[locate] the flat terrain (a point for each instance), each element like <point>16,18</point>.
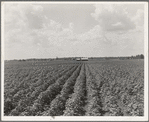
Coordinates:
<point>74,88</point>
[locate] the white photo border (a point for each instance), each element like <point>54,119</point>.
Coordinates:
<point>78,118</point>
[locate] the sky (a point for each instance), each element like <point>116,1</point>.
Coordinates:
<point>39,30</point>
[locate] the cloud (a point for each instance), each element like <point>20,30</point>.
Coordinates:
<point>26,13</point>
<point>117,17</point>
<point>93,33</point>
<point>25,24</point>
<point>139,18</point>
<point>71,25</point>
<point>37,8</point>
<point>19,22</point>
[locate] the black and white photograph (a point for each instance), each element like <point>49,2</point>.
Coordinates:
<point>64,61</point>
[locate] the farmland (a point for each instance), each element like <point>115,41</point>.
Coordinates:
<point>74,88</point>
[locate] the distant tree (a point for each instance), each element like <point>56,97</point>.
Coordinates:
<point>142,56</point>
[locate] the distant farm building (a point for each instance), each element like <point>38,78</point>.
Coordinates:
<point>82,59</point>
<point>78,59</point>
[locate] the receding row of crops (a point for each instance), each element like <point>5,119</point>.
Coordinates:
<point>27,89</point>
<point>94,105</point>
<point>110,88</point>
<point>58,104</point>
<point>75,104</point>
<point>122,87</point>
<point>37,93</point>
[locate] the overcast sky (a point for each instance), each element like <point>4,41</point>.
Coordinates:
<point>33,30</point>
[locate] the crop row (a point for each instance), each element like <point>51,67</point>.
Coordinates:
<point>57,105</point>
<point>122,88</point>
<point>27,82</point>
<point>32,91</point>
<point>94,104</point>
<point>108,88</point>
<point>75,104</point>
<point>47,93</point>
